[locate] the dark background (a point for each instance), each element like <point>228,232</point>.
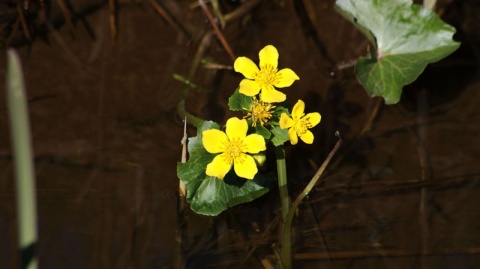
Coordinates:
<point>401,192</point>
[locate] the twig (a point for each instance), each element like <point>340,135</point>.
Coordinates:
<point>217,31</point>
<point>217,66</point>
<point>370,189</point>
<point>160,10</point>
<point>23,22</point>
<point>181,205</point>
<point>112,19</point>
<point>421,136</point>
<point>386,253</point>
<point>14,30</point>
<point>66,15</point>
<point>287,227</point>
<point>242,10</point>
<point>181,110</point>
<point>377,104</point>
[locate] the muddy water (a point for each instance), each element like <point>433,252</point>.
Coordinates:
<point>107,139</point>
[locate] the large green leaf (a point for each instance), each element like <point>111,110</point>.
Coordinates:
<point>406,37</point>
<point>209,195</point>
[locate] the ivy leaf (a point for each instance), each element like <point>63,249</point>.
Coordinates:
<point>406,37</point>
<point>209,195</point>
<point>259,129</point>
<point>280,136</point>
<point>239,102</point>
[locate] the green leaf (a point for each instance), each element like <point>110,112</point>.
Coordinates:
<point>259,129</point>
<point>277,113</point>
<point>239,102</point>
<point>209,195</point>
<point>280,136</point>
<point>406,38</point>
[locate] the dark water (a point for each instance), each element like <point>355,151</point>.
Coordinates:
<point>402,194</point>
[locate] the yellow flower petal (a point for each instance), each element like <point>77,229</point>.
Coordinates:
<point>245,166</point>
<point>298,109</point>
<point>246,66</point>
<point>285,121</point>
<point>268,56</point>
<point>286,77</point>
<point>214,140</point>
<point>218,167</point>
<point>292,134</point>
<point>313,118</point>
<point>270,95</point>
<point>255,143</point>
<point>249,87</point>
<point>307,137</point>
<point>236,128</point>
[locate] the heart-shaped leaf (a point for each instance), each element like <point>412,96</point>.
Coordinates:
<point>209,195</point>
<point>406,38</point>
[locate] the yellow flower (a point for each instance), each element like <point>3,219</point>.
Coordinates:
<point>300,123</point>
<point>259,111</point>
<point>265,78</point>
<point>233,146</point>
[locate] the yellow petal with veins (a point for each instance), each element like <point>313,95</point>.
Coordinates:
<point>286,77</point>
<point>268,56</point>
<point>298,109</point>
<point>218,167</point>
<point>313,118</point>
<point>236,128</point>
<point>245,166</point>
<point>292,134</point>
<point>214,140</point>
<point>255,143</point>
<point>307,137</point>
<point>249,87</point>
<point>246,66</point>
<point>270,95</point>
<point>285,121</point>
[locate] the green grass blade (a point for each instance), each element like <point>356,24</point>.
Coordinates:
<point>24,171</point>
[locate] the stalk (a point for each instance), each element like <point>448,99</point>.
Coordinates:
<point>286,231</point>
<point>23,162</point>
<point>285,236</point>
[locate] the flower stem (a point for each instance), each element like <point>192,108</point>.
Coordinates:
<point>287,211</point>
<point>285,236</point>
<point>287,225</point>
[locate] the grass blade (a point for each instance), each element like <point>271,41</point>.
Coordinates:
<point>24,171</point>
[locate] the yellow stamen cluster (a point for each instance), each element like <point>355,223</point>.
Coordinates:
<point>302,125</point>
<point>259,111</point>
<point>234,150</point>
<point>267,76</point>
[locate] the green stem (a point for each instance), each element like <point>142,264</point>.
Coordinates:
<point>285,236</point>
<point>183,113</point>
<point>287,211</point>
<point>23,161</point>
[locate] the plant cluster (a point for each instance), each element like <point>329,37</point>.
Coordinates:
<point>212,185</point>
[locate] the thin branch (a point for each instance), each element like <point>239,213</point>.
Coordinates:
<point>23,22</point>
<point>217,30</point>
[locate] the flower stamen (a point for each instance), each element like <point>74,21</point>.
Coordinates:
<point>259,111</point>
